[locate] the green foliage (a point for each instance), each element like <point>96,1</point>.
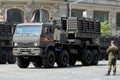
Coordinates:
<point>105,29</point>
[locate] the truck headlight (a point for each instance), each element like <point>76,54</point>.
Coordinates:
<point>36,44</point>
<point>15,44</point>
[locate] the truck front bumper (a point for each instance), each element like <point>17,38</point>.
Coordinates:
<point>28,51</point>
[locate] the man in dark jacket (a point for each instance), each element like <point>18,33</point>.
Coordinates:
<point>112,57</point>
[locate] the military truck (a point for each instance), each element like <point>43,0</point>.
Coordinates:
<point>6,46</point>
<point>64,41</point>
<point>104,43</point>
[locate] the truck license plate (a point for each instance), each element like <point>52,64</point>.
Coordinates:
<point>25,53</point>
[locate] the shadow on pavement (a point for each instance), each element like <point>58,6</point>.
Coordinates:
<point>75,66</point>
<point>102,65</point>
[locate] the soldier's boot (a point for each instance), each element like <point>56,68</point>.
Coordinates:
<point>114,73</point>
<point>108,74</point>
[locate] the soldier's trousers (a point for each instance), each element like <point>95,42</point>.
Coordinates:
<point>112,62</point>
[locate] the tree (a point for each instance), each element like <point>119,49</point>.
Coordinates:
<point>105,28</point>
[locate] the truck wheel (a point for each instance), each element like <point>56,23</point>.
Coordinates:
<point>72,60</point>
<point>95,57</point>
<point>63,59</point>
<point>86,58</point>
<point>3,57</point>
<point>11,58</point>
<point>23,62</point>
<point>49,60</point>
<point>37,62</point>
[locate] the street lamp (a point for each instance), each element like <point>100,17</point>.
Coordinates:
<point>70,6</point>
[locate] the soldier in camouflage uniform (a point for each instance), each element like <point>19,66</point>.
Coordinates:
<point>112,57</point>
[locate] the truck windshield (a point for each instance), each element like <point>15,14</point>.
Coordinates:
<point>28,29</point>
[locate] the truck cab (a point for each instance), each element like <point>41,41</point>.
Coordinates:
<point>30,41</point>
<point>29,38</point>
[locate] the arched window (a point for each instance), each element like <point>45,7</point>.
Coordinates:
<point>45,16</point>
<point>15,16</point>
<point>40,15</point>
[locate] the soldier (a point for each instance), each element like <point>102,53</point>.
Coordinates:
<point>112,57</point>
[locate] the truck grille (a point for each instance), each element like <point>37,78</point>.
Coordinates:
<point>26,44</point>
<point>25,50</point>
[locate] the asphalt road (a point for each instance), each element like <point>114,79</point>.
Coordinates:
<point>78,72</point>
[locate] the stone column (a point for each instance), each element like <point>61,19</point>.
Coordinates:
<point>27,13</point>
<point>112,22</point>
<point>63,10</point>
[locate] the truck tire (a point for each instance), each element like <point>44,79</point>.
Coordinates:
<point>11,58</point>
<point>95,57</point>
<point>37,62</point>
<point>86,58</point>
<point>23,62</point>
<point>72,60</point>
<point>49,60</point>
<point>63,59</point>
<point>3,57</point>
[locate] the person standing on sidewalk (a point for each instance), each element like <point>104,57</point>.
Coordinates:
<point>112,57</point>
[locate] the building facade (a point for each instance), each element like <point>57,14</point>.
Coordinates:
<point>24,10</point>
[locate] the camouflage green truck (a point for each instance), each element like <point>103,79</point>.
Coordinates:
<point>104,42</point>
<point>63,41</point>
<point>6,46</point>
